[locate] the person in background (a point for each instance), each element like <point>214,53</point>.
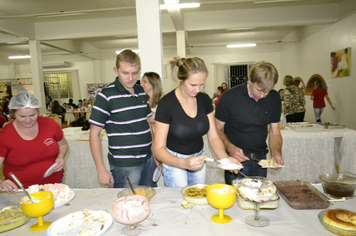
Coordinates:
<point>30,145</point>
<point>281,93</point>
<point>242,124</point>
<point>224,86</point>
<point>3,120</point>
<point>90,103</point>
<point>80,103</point>
<point>5,106</point>
<point>183,117</point>
<point>71,104</point>
<point>85,103</point>
<point>317,96</point>
<point>122,109</point>
<point>48,100</point>
<point>152,84</point>
<point>58,109</point>
<point>294,101</point>
<point>219,92</point>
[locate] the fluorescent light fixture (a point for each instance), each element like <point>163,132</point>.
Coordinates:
<point>245,45</point>
<point>135,51</point>
<point>276,1</point>
<point>179,6</point>
<point>62,14</point>
<point>19,57</point>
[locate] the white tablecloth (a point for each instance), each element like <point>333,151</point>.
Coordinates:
<point>310,154</point>
<point>348,152</point>
<point>168,217</point>
<point>306,156</point>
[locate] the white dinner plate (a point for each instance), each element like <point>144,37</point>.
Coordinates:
<point>231,166</point>
<point>73,223</point>
<point>53,188</point>
<point>156,174</point>
<point>65,202</point>
<point>50,170</point>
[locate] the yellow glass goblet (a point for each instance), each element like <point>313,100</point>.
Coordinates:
<point>221,196</point>
<point>43,204</point>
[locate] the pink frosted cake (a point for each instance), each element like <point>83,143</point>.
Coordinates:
<point>61,192</point>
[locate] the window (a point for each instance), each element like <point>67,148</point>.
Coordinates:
<point>58,85</point>
<point>238,74</point>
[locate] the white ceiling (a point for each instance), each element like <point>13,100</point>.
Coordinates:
<point>107,25</point>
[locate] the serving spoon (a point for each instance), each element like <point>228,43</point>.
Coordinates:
<point>18,182</point>
<point>132,189</point>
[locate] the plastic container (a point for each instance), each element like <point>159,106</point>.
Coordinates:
<point>301,195</point>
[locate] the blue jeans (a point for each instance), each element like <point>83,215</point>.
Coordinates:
<point>251,168</point>
<point>138,175</point>
<point>317,112</point>
<point>175,177</point>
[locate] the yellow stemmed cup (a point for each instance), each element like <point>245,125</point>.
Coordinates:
<point>42,204</point>
<point>221,196</point>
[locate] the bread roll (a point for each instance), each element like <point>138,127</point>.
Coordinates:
<point>333,217</point>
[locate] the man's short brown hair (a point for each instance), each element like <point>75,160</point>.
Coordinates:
<point>265,74</point>
<point>129,57</point>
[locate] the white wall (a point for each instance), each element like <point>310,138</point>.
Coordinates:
<point>312,56</point>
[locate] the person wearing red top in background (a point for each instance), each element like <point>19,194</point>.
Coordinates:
<point>317,96</point>
<point>30,145</point>
<point>219,92</point>
<point>3,120</point>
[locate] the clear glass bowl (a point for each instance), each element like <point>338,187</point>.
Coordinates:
<point>12,217</point>
<point>200,198</point>
<point>142,190</point>
<point>338,185</point>
<point>334,229</point>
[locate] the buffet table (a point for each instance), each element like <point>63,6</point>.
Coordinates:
<point>168,217</point>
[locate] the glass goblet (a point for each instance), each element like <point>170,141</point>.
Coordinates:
<point>130,211</point>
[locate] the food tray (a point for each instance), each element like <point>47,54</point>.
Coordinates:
<point>248,205</point>
<point>334,229</point>
<point>330,126</point>
<point>308,127</point>
<point>302,195</point>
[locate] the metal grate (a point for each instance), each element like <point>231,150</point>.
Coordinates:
<point>238,74</point>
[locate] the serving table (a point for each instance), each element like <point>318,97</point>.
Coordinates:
<point>168,217</point>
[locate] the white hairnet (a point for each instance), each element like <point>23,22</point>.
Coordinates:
<point>23,100</point>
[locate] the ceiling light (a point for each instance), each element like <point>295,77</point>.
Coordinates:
<point>135,51</point>
<point>179,6</point>
<point>276,1</point>
<point>245,45</point>
<point>62,14</point>
<point>19,57</point>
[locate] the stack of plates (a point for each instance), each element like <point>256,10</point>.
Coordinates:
<point>72,130</point>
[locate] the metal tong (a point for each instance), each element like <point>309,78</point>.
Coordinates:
<point>18,182</point>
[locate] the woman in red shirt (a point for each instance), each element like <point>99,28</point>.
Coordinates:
<point>30,145</point>
<point>317,96</point>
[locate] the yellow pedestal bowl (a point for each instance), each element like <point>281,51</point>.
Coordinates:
<point>42,204</point>
<point>221,196</point>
